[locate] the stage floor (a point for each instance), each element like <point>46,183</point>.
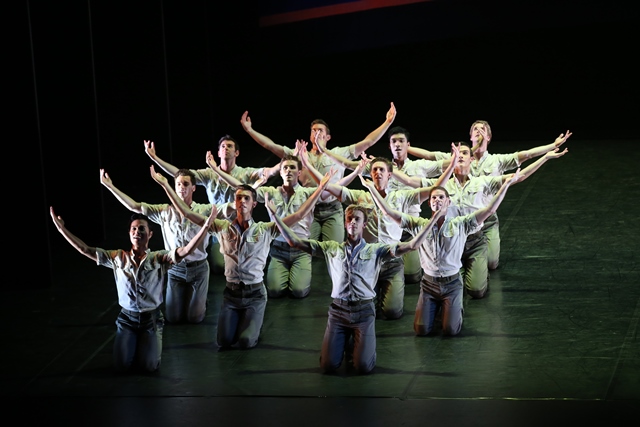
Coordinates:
<point>555,340</point>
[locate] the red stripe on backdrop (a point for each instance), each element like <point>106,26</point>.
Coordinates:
<point>337,9</point>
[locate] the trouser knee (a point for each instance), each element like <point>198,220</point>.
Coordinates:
<point>477,293</point>
<point>300,293</point>
<point>422,330</point>
<point>391,314</point>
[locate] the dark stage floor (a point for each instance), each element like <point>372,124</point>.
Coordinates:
<point>555,340</point>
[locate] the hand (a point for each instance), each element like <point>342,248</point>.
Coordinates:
<point>212,216</point>
<point>367,183</point>
<point>513,178</point>
<point>158,177</point>
<point>555,153</point>
<point>362,164</point>
<point>269,203</point>
<point>211,161</point>
<point>264,177</point>
<point>455,151</point>
<point>485,135</point>
<point>245,121</point>
<point>391,114</point>
<point>56,219</point>
<point>327,177</point>
<point>440,212</point>
<point>321,141</point>
<point>301,150</point>
<point>150,149</point>
<point>561,139</point>
<point>104,179</point>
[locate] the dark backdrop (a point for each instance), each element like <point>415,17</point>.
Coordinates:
<point>96,78</point>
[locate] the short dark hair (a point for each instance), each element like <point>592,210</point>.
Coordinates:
<point>466,144</point>
<point>186,172</point>
<point>439,187</point>
<point>323,123</point>
<point>247,187</point>
<point>384,160</point>
<point>293,158</point>
<point>229,138</point>
<point>398,129</point>
<point>138,216</point>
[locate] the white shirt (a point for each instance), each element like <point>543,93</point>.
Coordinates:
<point>176,230</point>
<point>441,251</point>
<point>140,288</point>
<point>353,271</point>
<point>245,253</point>
<point>287,205</point>
<point>380,228</point>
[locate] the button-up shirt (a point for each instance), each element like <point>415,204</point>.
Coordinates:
<point>245,253</point>
<point>140,287</point>
<point>323,163</point>
<point>494,164</point>
<point>474,194</point>
<point>381,228</point>
<point>420,167</point>
<point>353,271</point>
<point>441,251</point>
<point>218,191</point>
<point>176,230</point>
<point>287,205</point>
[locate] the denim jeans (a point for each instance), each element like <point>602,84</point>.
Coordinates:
<point>138,341</point>
<point>435,296</point>
<point>187,288</point>
<point>241,316</point>
<point>347,322</point>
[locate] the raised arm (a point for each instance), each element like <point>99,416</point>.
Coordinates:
<point>261,139</point>
<point>484,213</point>
<point>422,153</point>
<point>542,149</point>
<point>321,143</point>
<point>290,236</point>
<point>380,201</point>
<point>533,167</point>
<point>329,189</point>
<point>413,244</point>
<point>183,251</point>
<point>178,203</point>
<point>308,205</point>
<point>411,181</point>
<point>127,201</point>
<point>425,192</point>
<point>82,247</point>
<point>376,134</point>
<point>231,180</point>
<point>150,149</point>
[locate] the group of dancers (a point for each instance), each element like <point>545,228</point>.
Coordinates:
<point>373,239</point>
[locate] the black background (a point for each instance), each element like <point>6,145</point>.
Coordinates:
<point>96,78</point>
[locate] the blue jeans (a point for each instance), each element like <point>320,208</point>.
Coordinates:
<point>347,322</point>
<point>436,295</point>
<point>289,270</point>
<point>187,288</point>
<point>138,341</point>
<point>241,315</point>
